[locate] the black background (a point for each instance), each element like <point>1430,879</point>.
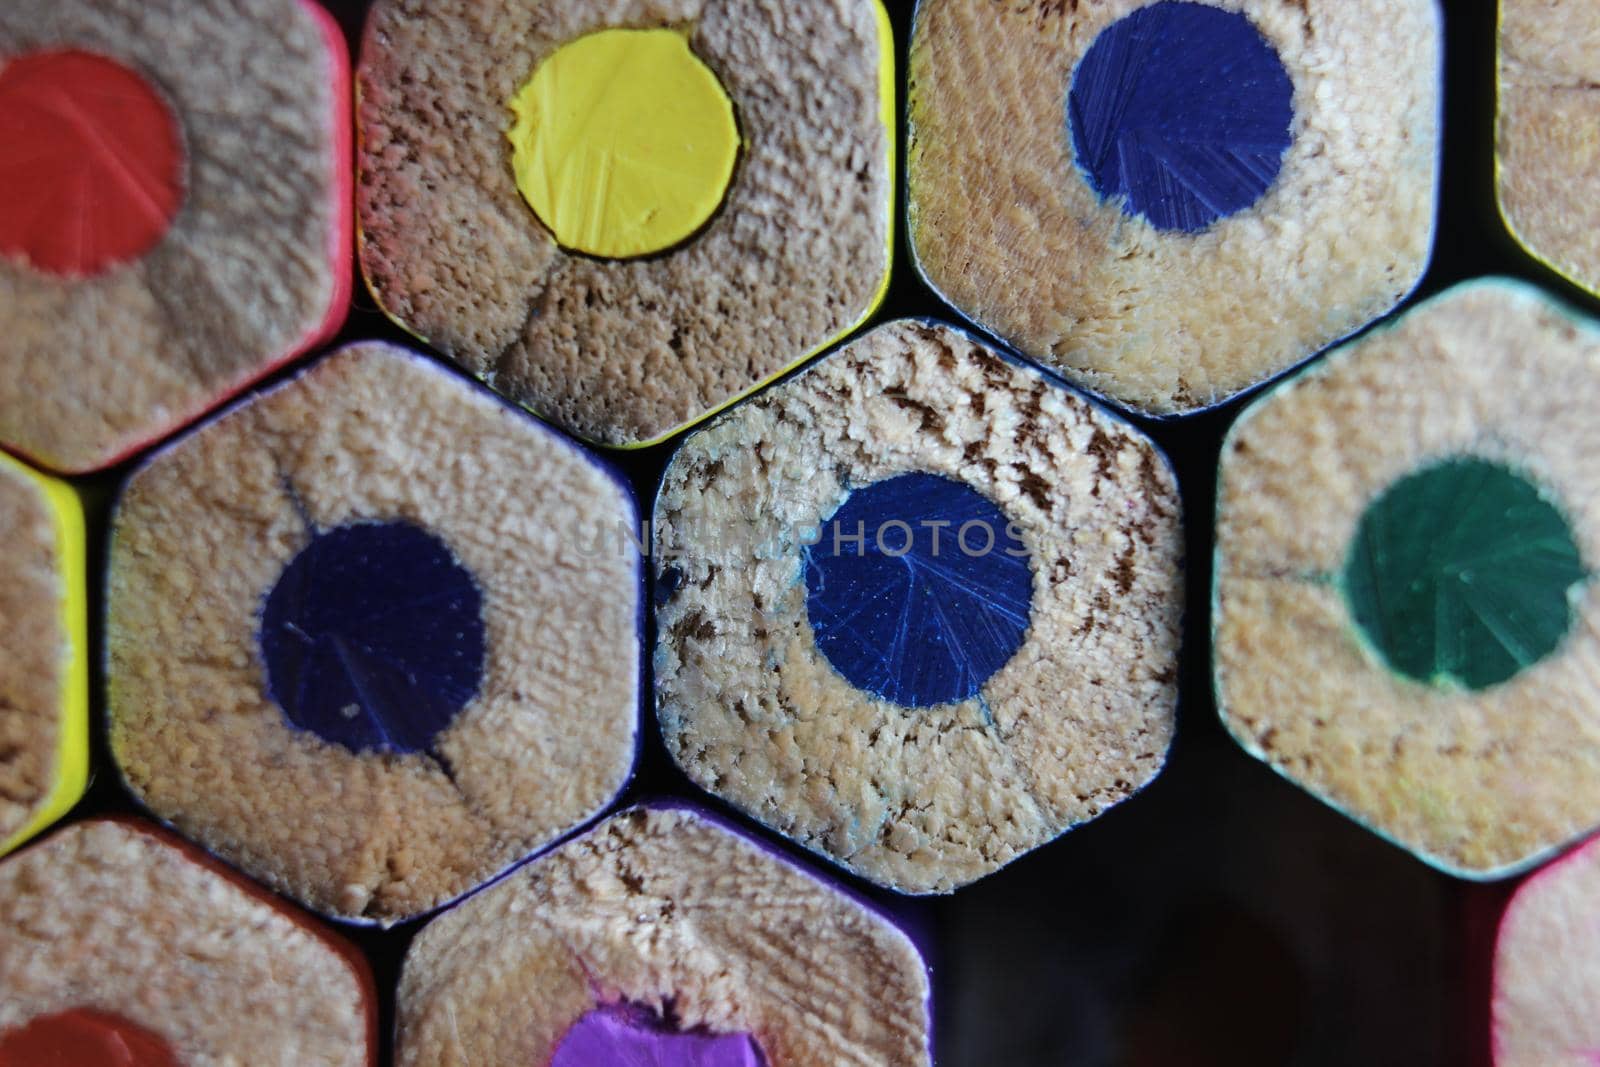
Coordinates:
<point>1220,917</point>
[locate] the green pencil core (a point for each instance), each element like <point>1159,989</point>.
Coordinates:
<point>1461,574</point>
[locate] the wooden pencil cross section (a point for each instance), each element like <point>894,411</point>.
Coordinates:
<point>1546,147</point>
<point>918,608</point>
<point>1404,604</point>
<point>1547,967</point>
<point>44,672</point>
<point>1172,201</point>
<point>627,215</point>
<point>121,946</point>
<point>662,937</point>
<point>374,635</point>
<point>170,230</point>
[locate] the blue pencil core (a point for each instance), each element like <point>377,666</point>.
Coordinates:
<point>373,637</point>
<point>1183,111</point>
<point>918,591</point>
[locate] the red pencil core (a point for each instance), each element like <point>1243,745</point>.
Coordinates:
<point>91,174</point>
<point>83,1037</point>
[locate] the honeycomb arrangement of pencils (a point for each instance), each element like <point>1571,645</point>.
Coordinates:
<point>625,215</point>
<point>175,211</point>
<point>374,636</point>
<point>1171,202</point>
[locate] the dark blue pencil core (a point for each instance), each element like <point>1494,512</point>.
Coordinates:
<point>930,602</point>
<point>1184,111</point>
<point>373,637</point>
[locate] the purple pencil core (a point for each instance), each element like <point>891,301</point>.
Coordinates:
<point>624,1036</point>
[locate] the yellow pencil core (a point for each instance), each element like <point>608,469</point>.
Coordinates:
<point>624,142</point>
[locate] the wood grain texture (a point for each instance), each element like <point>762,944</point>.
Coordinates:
<point>1548,135</point>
